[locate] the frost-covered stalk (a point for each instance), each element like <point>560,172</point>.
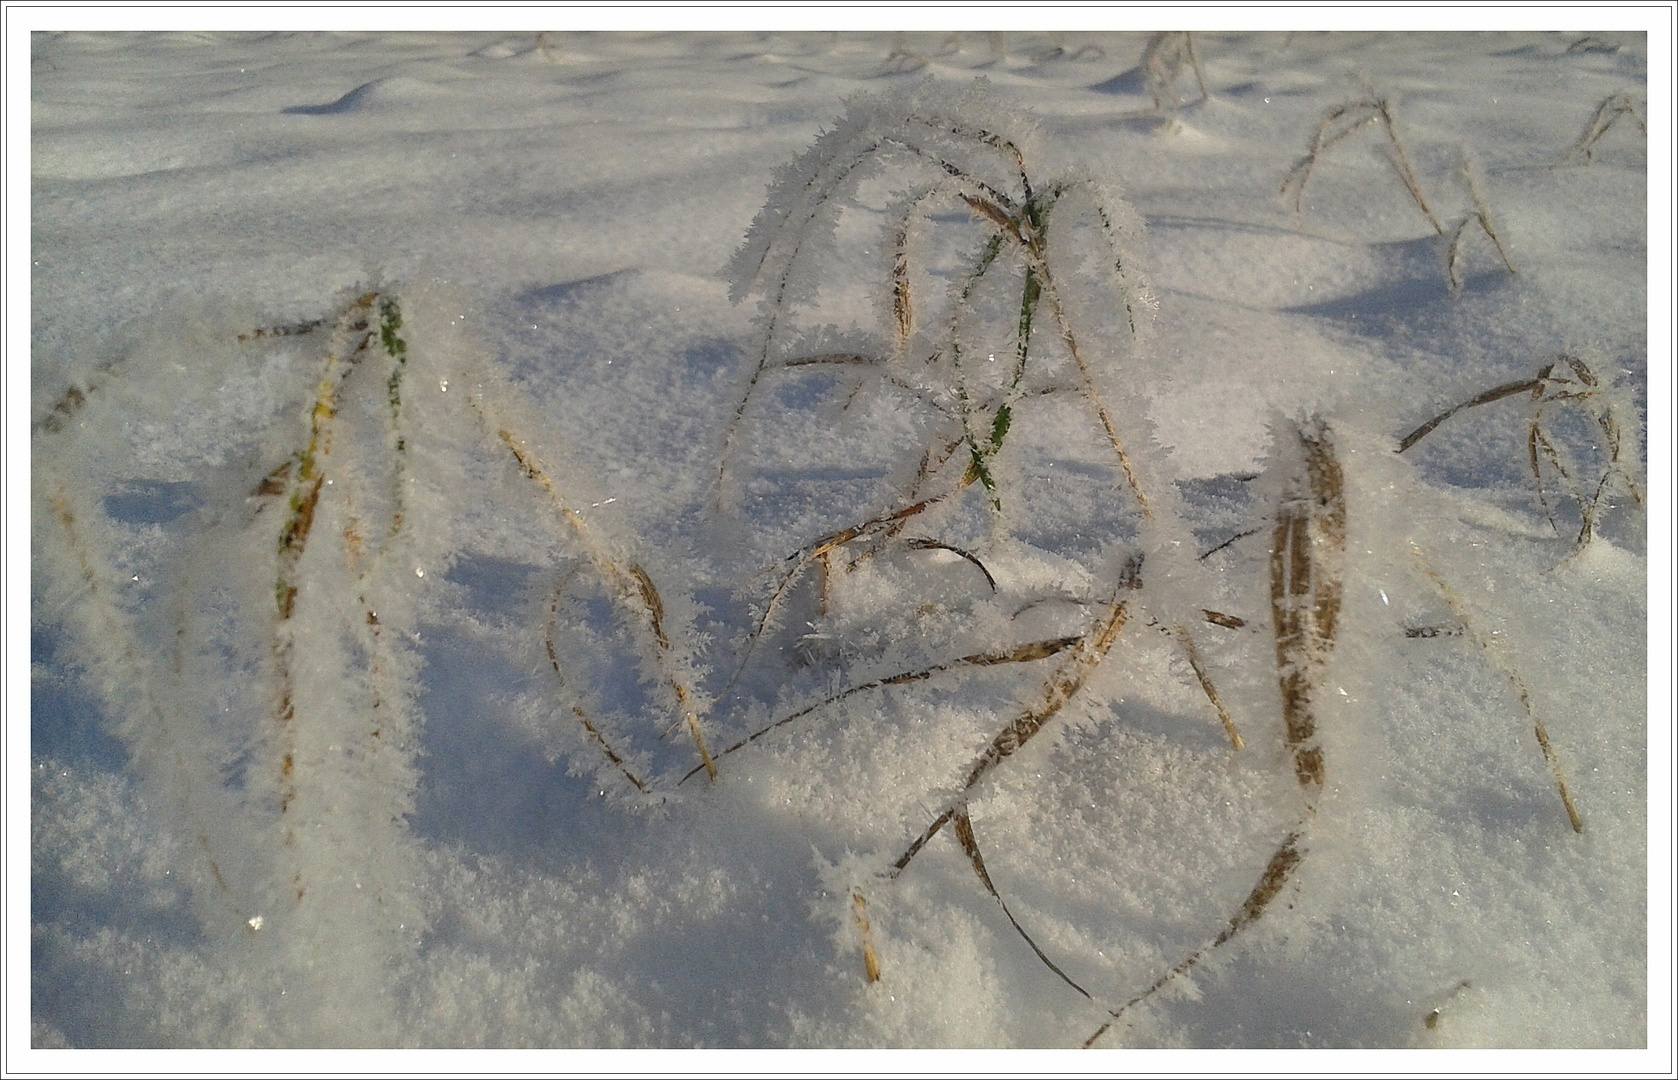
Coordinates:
<point>1341,123</point>
<point>1502,663</point>
<point>1307,551</point>
<point>1305,555</point>
<point>1568,383</point>
<point>666,653</point>
<point>955,140</point>
<point>1607,114</point>
<point>266,691</point>
<point>86,591</point>
<point>1162,65</point>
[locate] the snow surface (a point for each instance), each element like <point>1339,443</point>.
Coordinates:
<point>554,217</point>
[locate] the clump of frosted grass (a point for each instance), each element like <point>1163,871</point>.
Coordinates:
<point>1593,470</point>
<point>263,674</point>
<point>1045,273</point>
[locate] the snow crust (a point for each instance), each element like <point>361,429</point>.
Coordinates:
<point>450,794</point>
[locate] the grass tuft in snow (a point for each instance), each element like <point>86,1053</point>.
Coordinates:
<point>1568,383</point>
<point>1167,56</point>
<point>1607,114</point>
<point>1341,123</point>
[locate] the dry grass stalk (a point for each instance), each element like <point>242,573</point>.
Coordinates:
<point>113,625</point>
<point>1480,216</point>
<point>1306,546</point>
<point>589,726</point>
<point>1020,237</point>
<point>902,297</point>
<point>1453,251</point>
<point>870,958</point>
<point>1510,672</point>
<point>634,588</point>
<point>819,552</point>
<point>1019,224</point>
<point>1341,123</point>
<point>1565,382</point>
<point>1607,114</point>
<point>970,845</point>
<point>1088,653</point>
<point>1023,654</point>
<point>305,514</point>
<point>1205,680</point>
<point>1305,588</point>
<point>1590,43</point>
<point>1162,64</point>
<point>1270,883</point>
<point>351,334</point>
<point>289,330</point>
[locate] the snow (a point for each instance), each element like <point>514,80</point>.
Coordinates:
<point>561,477</point>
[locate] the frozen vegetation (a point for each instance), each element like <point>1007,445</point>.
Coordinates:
<point>766,540</point>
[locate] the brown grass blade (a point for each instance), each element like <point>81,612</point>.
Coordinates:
<point>282,331</point>
<point>819,550</point>
<point>1401,165</point>
<point>1067,680</point>
<point>870,958</point>
<point>970,845</point>
<point>1022,654</point>
<point>1229,622</point>
<point>1206,685</point>
<point>917,543</point>
<point>1091,394</point>
<point>1607,113</point>
<point>1453,250</point>
<point>1305,551</point>
<point>582,717</point>
<point>635,589</point>
<point>1270,883</point>
<point>902,297</point>
<point>1362,113</point>
<point>1510,672</point>
<point>1496,393</point>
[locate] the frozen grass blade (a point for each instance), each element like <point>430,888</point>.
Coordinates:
<point>1509,671</point>
<point>635,590</point>
<point>870,958</point>
<point>1023,654</point>
<point>1305,551</point>
<point>1205,680</point>
<point>1338,125</point>
<point>1565,382</point>
<point>1068,679</point>
<point>1480,215</point>
<point>819,551</point>
<point>1162,65</point>
<point>1496,393</point>
<point>1607,114</point>
<point>1269,885</point>
<point>918,543</point>
<point>306,482</point>
<point>970,845</point>
<point>98,614</point>
<point>589,726</point>
<point>1453,251</point>
<point>289,330</point>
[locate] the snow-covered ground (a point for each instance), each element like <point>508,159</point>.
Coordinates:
<point>409,493</point>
